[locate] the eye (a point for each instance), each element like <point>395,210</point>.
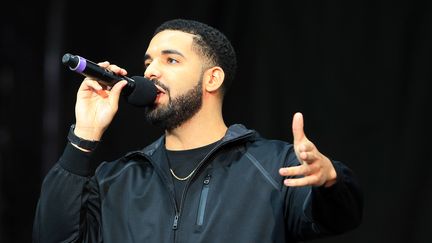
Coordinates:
<point>172,60</point>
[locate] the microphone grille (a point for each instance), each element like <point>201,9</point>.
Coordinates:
<point>144,93</point>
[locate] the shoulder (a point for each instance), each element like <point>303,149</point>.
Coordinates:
<point>266,156</point>
<point>129,161</point>
<point>271,150</point>
<point>265,150</point>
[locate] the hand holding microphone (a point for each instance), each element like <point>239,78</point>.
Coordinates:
<point>96,106</point>
<point>139,91</point>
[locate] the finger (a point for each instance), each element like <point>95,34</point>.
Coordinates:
<point>104,64</point>
<point>307,156</point>
<point>116,90</point>
<point>306,146</point>
<point>304,181</point>
<point>116,69</point>
<point>91,84</point>
<point>294,170</point>
<point>297,127</point>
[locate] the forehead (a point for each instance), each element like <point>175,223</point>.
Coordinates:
<point>170,39</point>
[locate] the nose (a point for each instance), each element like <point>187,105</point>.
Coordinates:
<point>152,71</point>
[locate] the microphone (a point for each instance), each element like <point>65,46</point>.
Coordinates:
<point>139,91</point>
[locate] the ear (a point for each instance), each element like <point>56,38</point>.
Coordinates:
<point>213,79</point>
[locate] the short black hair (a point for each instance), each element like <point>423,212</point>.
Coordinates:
<point>211,42</point>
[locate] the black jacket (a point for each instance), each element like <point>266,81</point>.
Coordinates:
<point>236,195</point>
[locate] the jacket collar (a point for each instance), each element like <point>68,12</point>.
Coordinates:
<point>234,132</point>
<point>155,154</point>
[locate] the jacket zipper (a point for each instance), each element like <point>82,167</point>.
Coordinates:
<point>177,215</point>
<point>177,212</point>
<point>200,165</point>
<point>203,200</point>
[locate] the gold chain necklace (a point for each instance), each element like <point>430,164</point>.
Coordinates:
<point>184,178</point>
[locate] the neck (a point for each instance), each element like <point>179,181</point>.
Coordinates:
<point>205,127</point>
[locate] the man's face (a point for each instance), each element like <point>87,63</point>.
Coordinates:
<point>177,70</point>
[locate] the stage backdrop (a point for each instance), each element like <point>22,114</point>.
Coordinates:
<point>360,71</point>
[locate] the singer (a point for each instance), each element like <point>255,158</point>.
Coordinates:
<point>201,181</point>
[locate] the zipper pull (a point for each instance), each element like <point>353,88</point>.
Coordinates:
<point>207,180</point>
<point>175,222</point>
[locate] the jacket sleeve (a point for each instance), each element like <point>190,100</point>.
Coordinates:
<point>68,209</point>
<point>313,212</point>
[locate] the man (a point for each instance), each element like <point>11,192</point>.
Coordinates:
<point>200,182</point>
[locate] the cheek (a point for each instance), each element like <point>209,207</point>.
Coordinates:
<point>182,86</point>
<point>182,80</point>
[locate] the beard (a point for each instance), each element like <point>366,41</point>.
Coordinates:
<point>178,110</point>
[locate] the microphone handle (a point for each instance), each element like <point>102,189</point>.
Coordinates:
<point>92,70</point>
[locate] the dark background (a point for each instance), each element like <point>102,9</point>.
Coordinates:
<point>360,71</point>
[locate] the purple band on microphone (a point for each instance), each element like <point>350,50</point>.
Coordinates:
<point>82,63</point>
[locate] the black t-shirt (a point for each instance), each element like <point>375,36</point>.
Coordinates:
<point>182,163</point>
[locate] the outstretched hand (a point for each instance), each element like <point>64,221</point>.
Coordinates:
<point>315,168</point>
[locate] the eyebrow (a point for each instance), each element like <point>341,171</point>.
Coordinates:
<point>164,52</point>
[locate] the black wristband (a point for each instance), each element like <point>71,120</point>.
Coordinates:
<point>82,143</point>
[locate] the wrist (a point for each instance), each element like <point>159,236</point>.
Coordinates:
<point>88,133</point>
<point>81,143</point>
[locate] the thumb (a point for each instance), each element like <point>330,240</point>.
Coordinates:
<point>116,90</point>
<point>297,127</point>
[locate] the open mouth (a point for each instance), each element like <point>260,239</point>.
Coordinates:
<point>160,91</point>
